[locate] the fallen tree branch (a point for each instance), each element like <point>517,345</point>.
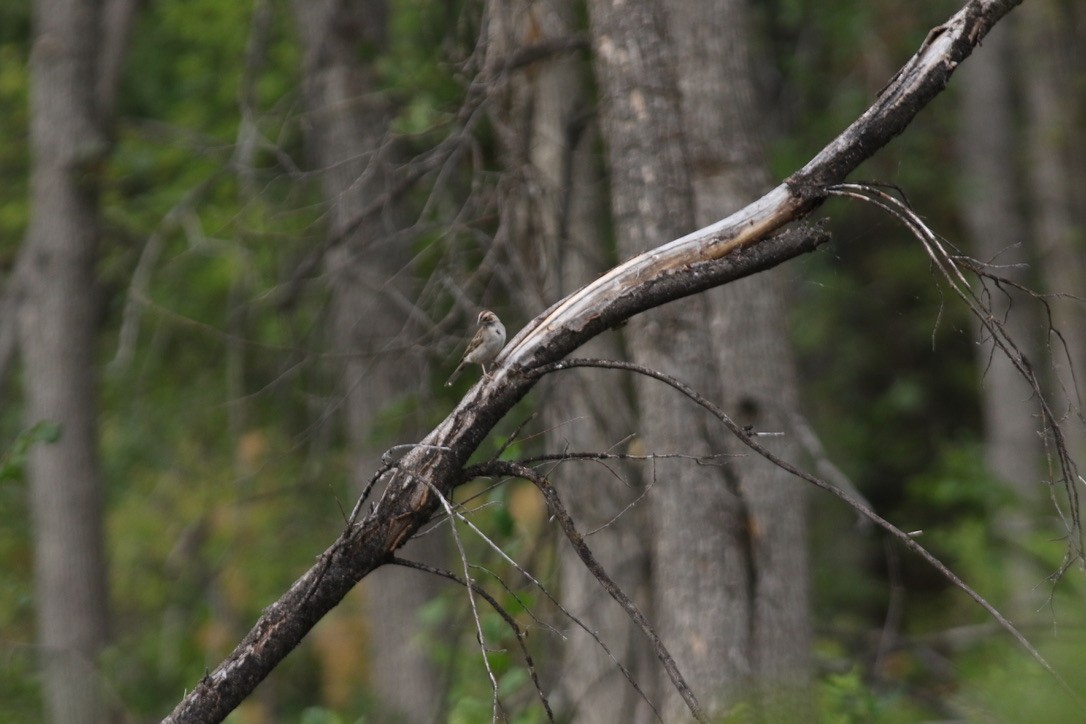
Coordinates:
<point>749,241</point>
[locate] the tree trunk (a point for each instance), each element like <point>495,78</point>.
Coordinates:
<point>557,214</point>
<point>723,118</point>
<point>729,567</point>
<point>347,122</point>
<point>699,537</point>
<point>1054,151</point>
<point>991,202</point>
<point>57,336</point>
<point>991,207</point>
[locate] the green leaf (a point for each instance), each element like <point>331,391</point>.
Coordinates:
<point>12,464</point>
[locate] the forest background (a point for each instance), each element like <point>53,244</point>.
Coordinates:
<point>298,210</point>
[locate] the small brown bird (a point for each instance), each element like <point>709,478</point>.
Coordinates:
<point>484,346</point>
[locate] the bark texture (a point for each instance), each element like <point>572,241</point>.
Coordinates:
<point>58,309</point>
<point>374,342</point>
<point>724,120</point>
<point>700,553</point>
<point>556,212</point>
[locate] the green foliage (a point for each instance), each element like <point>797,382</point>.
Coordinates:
<point>14,131</point>
<point>20,697</point>
<point>418,79</point>
<point>213,507</point>
<point>12,462</point>
<point>1007,686</point>
<point>960,485</point>
<point>20,694</point>
<point>846,698</point>
<point>889,359</point>
<point>221,507</point>
<point>18,683</point>
<point>320,715</point>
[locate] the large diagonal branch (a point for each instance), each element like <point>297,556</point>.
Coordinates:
<point>749,241</point>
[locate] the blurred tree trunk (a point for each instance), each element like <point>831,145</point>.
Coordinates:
<point>724,122</point>
<point>58,309</point>
<point>991,203</point>
<point>1049,39</point>
<point>700,541</point>
<point>346,127</point>
<point>729,568</point>
<point>991,208</point>
<point>557,217</point>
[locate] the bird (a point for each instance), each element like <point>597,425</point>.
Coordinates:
<point>484,346</point>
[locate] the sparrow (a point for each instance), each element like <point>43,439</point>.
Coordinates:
<point>484,346</point>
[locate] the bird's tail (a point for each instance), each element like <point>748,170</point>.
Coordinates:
<point>454,375</point>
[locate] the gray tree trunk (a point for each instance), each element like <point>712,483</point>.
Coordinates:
<point>992,203</point>
<point>57,313</point>
<point>991,207</point>
<point>380,363</point>
<point>724,120</point>
<point>557,219</point>
<point>729,567</point>
<point>700,564</point>
<point>1055,153</point>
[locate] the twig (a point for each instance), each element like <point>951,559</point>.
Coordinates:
<point>558,510</point>
<point>747,439</point>
<point>809,441</point>
<point>468,116</point>
<point>601,456</point>
<point>479,471</point>
<point>949,266</point>
<point>520,633</point>
<point>496,701</point>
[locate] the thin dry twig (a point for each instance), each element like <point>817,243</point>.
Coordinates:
<point>452,513</point>
<point>747,439</point>
<point>558,510</point>
<point>601,457</point>
<point>478,94</point>
<point>951,266</point>
<point>812,445</point>
<point>496,700</point>
<point>517,598</point>
<point>518,631</point>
